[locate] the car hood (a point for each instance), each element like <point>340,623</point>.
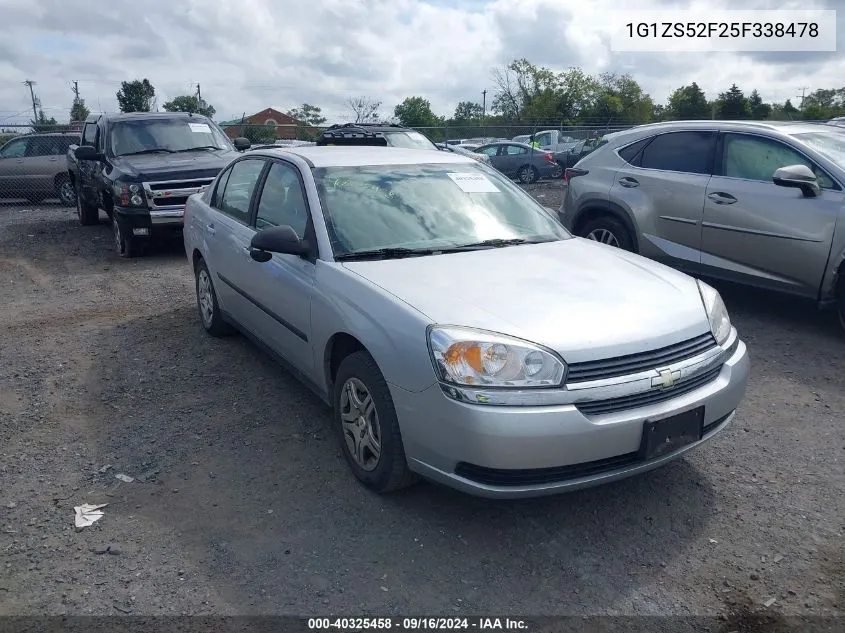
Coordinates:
<point>187,165</point>
<point>583,299</point>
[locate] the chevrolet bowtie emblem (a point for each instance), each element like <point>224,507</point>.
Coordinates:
<point>666,379</point>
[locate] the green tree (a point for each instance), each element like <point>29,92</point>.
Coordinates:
<point>42,123</point>
<point>189,103</point>
<point>136,96</point>
<point>416,112</point>
<point>618,98</point>
<point>307,114</point>
<point>525,91</point>
<point>733,104</point>
<point>260,133</point>
<point>79,111</point>
<point>468,111</point>
<point>759,110</point>
<point>688,103</point>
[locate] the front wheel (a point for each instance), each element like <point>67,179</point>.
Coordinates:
<point>126,244</point>
<point>87,214</point>
<point>368,427</point>
<point>608,230</point>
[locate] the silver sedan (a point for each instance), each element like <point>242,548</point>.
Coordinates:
<point>458,332</point>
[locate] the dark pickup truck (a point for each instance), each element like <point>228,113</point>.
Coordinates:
<point>141,167</point>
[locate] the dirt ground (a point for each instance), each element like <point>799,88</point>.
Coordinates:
<point>242,503</point>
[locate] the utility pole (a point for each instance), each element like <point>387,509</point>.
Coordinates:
<point>484,113</point>
<point>75,90</point>
<point>199,95</point>
<point>30,83</point>
<point>803,91</point>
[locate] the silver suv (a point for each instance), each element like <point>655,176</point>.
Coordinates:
<point>759,203</point>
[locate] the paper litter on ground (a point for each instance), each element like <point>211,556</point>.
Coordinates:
<point>87,514</point>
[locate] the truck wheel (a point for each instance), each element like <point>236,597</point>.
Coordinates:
<point>65,191</point>
<point>126,245</point>
<point>87,214</point>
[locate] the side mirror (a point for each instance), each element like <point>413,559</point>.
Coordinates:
<point>799,177</point>
<point>87,152</point>
<point>276,239</point>
<point>242,143</point>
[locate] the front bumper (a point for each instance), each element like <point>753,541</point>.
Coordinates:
<point>557,448</point>
<point>144,221</point>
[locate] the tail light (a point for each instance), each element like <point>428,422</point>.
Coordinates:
<point>549,157</point>
<point>571,172</point>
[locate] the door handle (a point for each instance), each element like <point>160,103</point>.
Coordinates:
<point>210,228</point>
<point>720,197</point>
<point>628,182</point>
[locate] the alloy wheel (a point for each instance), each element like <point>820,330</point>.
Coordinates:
<point>604,236</point>
<point>360,424</point>
<point>205,298</point>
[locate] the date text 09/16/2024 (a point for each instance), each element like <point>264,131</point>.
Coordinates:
<point>416,624</point>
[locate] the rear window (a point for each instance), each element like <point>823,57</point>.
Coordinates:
<point>631,154</point>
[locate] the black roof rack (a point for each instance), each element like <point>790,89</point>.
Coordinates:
<point>351,134</point>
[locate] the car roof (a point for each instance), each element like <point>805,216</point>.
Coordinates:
<point>787,127</point>
<point>132,116</point>
<point>354,155</point>
<point>526,145</point>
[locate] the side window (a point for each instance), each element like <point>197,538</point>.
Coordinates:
<point>515,150</point>
<point>490,151</point>
<point>239,187</point>
<point>282,200</point>
<point>544,139</point>
<point>757,158</point>
<point>690,152</point>
<point>217,196</point>
<point>89,134</point>
<point>632,153</point>
<point>15,148</point>
<point>44,146</point>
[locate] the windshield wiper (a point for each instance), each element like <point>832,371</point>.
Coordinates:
<point>191,149</point>
<point>497,243</point>
<point>387,253</point>
<point>147,151</point>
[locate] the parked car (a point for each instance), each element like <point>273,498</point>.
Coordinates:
<point>758,203</point>
<point>393,135</point>
<point>840,121</point>
<point>33,167</point>
<point>464,151</point>
<point>341,262</point>
<point>521,161</point>
<point>140,169</point>
<point>576,152</point>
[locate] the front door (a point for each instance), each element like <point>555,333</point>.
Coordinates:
<point>12,167</point>
<point>759,233</point>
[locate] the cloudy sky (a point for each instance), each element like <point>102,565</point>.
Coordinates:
<point>251,54</point>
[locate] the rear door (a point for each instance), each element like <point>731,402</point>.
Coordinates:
<point>759,233</point>
<point>228,236</point>
<point>663,183</point>
<point>41,164</point>
<point>512,157</point>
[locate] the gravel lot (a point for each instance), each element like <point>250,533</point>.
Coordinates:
<point>243,503</point>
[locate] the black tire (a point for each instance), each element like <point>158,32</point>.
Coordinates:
<point>840,300</point>
<point>390,472</point>
<point>88,215</point>
<point>126,245</point>
<point>65,191</point>
<point>558,171</point>
<point>527,174</point>
<point>212,320</point>
<point>608,230</point>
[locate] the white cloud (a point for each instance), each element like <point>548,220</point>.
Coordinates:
<point>250,54</point>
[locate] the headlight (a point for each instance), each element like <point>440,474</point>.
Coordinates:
<point>717,313</point>
<point>477,358</point>
<point>129,194</point>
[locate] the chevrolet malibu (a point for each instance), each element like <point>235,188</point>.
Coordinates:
<point>458,332</point>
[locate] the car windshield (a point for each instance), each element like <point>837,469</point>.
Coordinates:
<point>167,135</point>
<point>831,144</point>
<point>408,140</point>
<point>427,206</point>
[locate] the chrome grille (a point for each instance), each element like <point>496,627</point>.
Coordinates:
<point>633,363</point>
<point>173,193</point>
<point>654,396</point>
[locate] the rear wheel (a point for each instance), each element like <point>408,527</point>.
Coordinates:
<point>527,174</point>
<point>840,299</point>
<point>608,230</point>
<point>65,191</point>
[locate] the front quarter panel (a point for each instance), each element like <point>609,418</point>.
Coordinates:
<point>393,332</point>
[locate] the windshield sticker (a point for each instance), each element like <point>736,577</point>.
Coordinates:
<point>473,183</point>
<point>200,127</point>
